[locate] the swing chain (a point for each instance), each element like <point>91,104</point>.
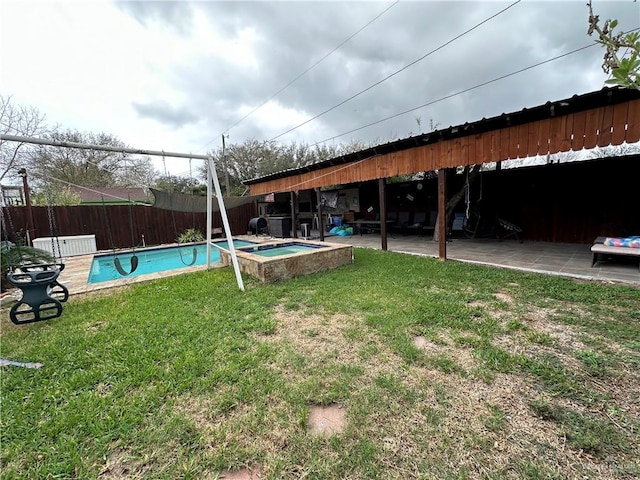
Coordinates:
<point>52,228</point>
<point>15,235</point>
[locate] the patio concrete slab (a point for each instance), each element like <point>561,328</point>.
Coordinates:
<point>566,259</point>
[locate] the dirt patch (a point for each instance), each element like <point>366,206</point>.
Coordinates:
<point>493,426</point>
<point>477,304</point>
<point>423,344</point>
<point>446,346</point>
<point>559,339</point>
<point>329,420</point>
<point>330,339</point>
<point>242,474</point>
<point>491,310</point>
<point>94,327</point>
<point>504,297</point>
<point>121,465</point>
<point>103,389</point>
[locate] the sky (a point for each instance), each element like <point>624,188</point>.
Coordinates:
<point>176,76</point>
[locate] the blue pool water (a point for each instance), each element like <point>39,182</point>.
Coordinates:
<point>281,249</point>
<point>155,260</point>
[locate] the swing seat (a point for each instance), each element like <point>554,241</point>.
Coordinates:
<point>55,289</point>
<point>38,283</point>
<point>193,258</point>
<point>120,268</point>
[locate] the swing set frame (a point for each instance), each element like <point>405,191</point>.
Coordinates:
<point>50,283</point>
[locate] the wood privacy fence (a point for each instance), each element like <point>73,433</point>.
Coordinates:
<point>120,226</point>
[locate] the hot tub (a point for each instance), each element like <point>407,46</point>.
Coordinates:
<point>280,260</point>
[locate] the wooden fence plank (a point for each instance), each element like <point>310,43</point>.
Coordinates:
<point>544,136</point>
<point>512,147</point>
<point>504,143</point>
<point>523,140</point>
<point>533,133</point>
<point>620,112</point>
<point>604,135</point>
<point>566,127</point>
<point>578,131</point>
<point>594,120</point>
<point>633,122</point>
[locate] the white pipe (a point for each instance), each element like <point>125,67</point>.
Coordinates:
<point>102,148</point>
<point>225,222</point>
<point>209,217</point>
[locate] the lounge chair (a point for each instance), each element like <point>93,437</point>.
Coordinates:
<point>607,246</point>
<point>508,229</point>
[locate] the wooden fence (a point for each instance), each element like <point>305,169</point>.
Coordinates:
<point>119,226</point>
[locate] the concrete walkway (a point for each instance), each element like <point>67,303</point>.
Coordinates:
<point>566,259</point>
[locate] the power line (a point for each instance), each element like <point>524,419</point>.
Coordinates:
<point>306,71</point>
<point>397,71</point>
<point>460,92</point>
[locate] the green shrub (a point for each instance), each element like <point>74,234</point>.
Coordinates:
<point>191,235</point>
<point>12,255</point>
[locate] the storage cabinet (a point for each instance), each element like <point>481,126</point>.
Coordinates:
<point>280,226</point>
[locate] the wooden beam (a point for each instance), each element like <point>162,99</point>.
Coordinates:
<point>320,215</point>
<point>383,212</point>
<point>442,214</point>
<point>294,217</point>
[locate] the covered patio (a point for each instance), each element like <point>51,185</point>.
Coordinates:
<point>552,258</point>
<point>552,207</point>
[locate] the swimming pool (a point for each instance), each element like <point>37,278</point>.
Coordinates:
<point>154,260</point>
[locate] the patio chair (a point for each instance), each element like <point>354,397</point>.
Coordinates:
<point>509,229</point>
<point>416,227</point>
<point>401,222</point>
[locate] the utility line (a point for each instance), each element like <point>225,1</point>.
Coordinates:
<point>460,92</point>
<point>306,71</point>
<point>396,72</point>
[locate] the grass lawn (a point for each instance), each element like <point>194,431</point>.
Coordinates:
<point>440,370</point>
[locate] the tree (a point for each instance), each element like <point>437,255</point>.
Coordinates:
<point>55,196</point>
<point>176,184</point>
<point>136,172</point>
<point>254,158</point>
<point>623,68</point>
<point>21,121</point>
<point>53,166</point>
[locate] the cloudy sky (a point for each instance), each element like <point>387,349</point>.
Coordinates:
<point>174,76</point>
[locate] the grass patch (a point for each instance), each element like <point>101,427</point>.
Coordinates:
<point>584,432</point>
<point>186,376</point>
